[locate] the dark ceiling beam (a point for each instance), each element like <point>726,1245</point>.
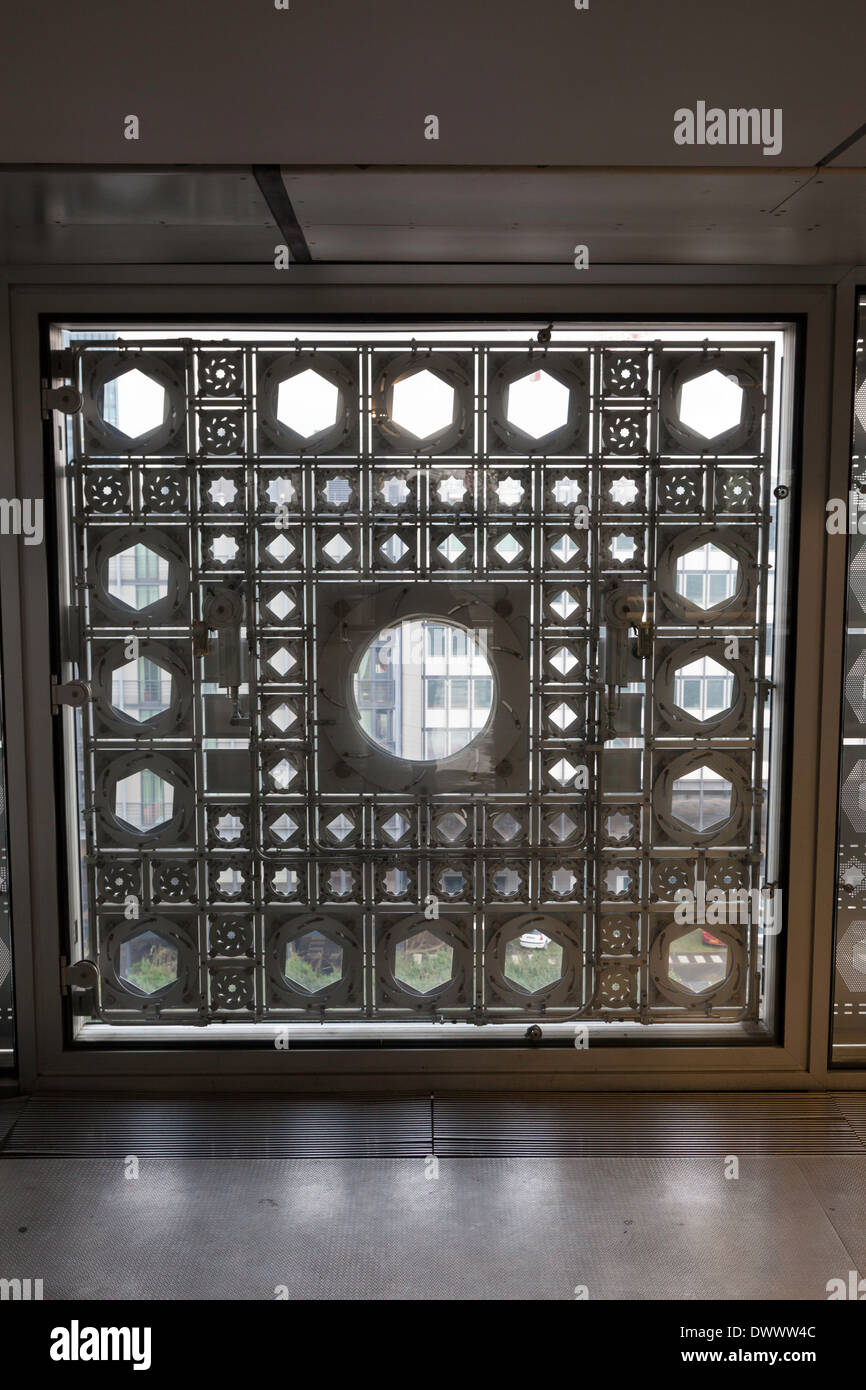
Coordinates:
<point>273,190</point>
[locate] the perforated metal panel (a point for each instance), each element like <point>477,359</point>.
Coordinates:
<point>283,815</point>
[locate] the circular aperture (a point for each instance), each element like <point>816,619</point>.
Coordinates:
<point>423,689</point>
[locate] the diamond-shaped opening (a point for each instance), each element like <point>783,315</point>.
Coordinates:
<point>313,961</point>
<point>711,404</point>
<point>621,548</point>
<point>281,605</point>
<point>451,490</point>
<point>451,548</point>
<point>703,688</point>
<point>564,548</point>
<point>618,826</point>
<point>281,491</point>
<point>280,548</point>
<point>395,827</point>
<point>563,716</point>
<point>562,882</point>
<point>563,660</point>
<point>451,826</point>
<point>144,800</point>
<point>340,827</point>
<point>228,827</point>
<point>423,962</point>
<point>701,798</point>
<point>623,491</point>
<point>138,576</point>
<point>423,404</point>
<point>340,883</point>
<point>222,492</point>
<point>282,717</point>
<point>281,660</point>
<point>696,965</point>
<point>338,492</point>
<point>563,772</point>
<point>394,548</point>
<point>141,689</point>
<point>337,548</point>
<point>562,827</point>
<point>563,605</point>
<point>537,404</point>
<point>283,774</point>
<point>533,961</point>
<point>423,689</point>
<point>506,826</point>
<point>707,576</point>
<point>566,492</point>
<point>307,403</point>
<point>508,548</point>
<point>509,492</point>
<point>140,404</point>
<point>148,962</point>
<point>284,827</point>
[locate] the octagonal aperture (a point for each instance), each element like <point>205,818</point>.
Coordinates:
<point>698,961</point>
<point>148,962</point>
<point>137,576</point>
<point>703,689</point>
<point>423,404</point>
<point>141,689</point>
<point>711,404</point>
<point>307,403</point>
<point>702,799</point>
<point>144,800</point>
<point>707,576</point>
<point>423,962</point>
<point>313,961</point>
<point>140,403</point>
<point>537,404</point>
<point>533,961</point>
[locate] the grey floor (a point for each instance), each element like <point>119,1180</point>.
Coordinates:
<point>499,1228</point>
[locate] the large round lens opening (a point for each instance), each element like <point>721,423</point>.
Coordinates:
<point>424,689</point>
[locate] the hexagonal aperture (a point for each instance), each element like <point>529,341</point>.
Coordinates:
<point>313,961</point>
<point>701,799</point>
<point>148,962</point>
<point>707,576</point>
<point>141,689</point>
<point>140,404</point>
<point>422,404</point>
<point>307,403</point>
<point>703,689</point>
<point>144,800</point>
<point>138,576</point>
<point>537,404</point>
<point>533,961</point>
<point>698,961</point>
<point>711,404</point>
<point>423,962</point>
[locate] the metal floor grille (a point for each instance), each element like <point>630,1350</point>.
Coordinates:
<point>530,1126</point>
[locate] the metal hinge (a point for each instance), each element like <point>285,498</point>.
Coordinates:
<point>74,693</point>
<point>66,399</point>
<point>82,975</point>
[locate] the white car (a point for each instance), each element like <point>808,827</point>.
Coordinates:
<point>533,940</point>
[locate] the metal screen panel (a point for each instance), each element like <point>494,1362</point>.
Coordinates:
<point>422,674</point>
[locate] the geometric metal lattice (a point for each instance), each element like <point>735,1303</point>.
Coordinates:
<point>423,674</point>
